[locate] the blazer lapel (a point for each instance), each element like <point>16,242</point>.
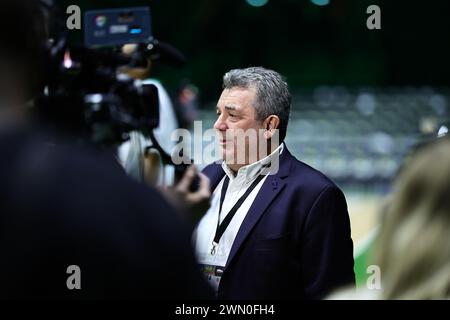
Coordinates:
<point>270,189</point>
<point>215,174</point>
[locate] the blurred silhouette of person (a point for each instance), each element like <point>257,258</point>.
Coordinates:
<point>63,205</point>
<point>413,247</point>
<point>188,102</point>
<point>133,154</point>
<point>137,155</point>
<point>414,244</point>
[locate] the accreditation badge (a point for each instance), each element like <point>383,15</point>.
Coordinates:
<point>212,274</point>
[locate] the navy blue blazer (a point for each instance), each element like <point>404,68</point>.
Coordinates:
<point>294,242</point>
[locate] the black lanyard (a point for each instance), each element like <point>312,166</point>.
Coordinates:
<point>221,227</point>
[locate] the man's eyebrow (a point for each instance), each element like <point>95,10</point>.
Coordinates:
<point>234,108</point>
<point>228,107</point>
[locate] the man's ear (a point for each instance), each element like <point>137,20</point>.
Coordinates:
<point>271,123</point>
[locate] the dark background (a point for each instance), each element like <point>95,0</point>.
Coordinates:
<point>311,45</point>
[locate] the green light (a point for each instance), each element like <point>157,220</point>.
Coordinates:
<point>257,3</point>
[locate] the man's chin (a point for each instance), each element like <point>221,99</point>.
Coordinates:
<point>227,154</point>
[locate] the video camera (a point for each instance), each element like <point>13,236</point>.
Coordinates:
<point>86,87</point>
<point>88,91</point>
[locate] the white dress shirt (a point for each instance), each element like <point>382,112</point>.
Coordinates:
<point>213,264</point>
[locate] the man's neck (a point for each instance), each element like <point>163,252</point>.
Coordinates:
<point>235,167</point>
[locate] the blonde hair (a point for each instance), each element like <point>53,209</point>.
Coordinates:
<point>414,246</point>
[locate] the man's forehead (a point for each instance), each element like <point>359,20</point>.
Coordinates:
<point>236,98</point>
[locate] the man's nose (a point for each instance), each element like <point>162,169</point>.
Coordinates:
<point>220,124</point>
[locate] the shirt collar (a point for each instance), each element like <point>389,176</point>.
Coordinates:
<point>249,172</point>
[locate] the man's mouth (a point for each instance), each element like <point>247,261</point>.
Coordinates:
<point>222,140</point>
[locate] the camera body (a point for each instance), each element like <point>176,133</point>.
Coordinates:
<point>90,90</point>
<point>86,90</point>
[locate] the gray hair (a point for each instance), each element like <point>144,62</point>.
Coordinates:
<point>272,92</point>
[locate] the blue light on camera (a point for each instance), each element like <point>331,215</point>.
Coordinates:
<point>136,31</point>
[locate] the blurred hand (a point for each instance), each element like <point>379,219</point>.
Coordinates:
<point>194,204</point>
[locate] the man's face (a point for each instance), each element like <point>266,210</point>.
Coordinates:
<point>236,110</point>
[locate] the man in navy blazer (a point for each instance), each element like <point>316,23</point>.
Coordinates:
<point>293,241</point>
